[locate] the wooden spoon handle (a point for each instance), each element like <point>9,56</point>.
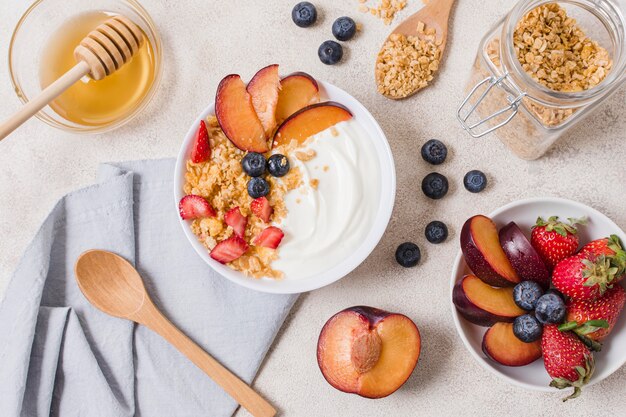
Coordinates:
<point>46,96</point>
<point>151,317</point>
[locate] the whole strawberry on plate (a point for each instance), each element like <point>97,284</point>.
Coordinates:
<point>608,246</point>
<point>555,240</point>
<point>581,278</point>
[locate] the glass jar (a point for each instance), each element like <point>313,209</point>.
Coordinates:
<point>527,116</point>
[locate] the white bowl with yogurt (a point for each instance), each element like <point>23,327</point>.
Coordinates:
<point>331,230</point>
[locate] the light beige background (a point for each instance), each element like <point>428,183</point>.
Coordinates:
<point>205,40</point>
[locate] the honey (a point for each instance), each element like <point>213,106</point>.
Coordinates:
<point>90,102</point>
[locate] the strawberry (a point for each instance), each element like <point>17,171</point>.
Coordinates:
<point>201,148</point>
<point>237,221</point>
<point>610,247</point>
<point>568,361</point>
<point>270,238</point>
<point>261,208</point>
<point>584,279</point>
<point>555,240</point>
<point>230,249</point>
<point>195,207</point>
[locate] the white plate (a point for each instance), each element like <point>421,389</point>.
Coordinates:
<point>290,284</point>
<point>525,213</point>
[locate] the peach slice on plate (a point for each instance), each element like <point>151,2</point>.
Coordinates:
<point>367,351</point>
<point>309,121</point>
<point>297,91</point>
<point>483,254</point>
<point>237,117</point>
<point>483,304</point>
<point>501,345</point>
<point>263,88</point>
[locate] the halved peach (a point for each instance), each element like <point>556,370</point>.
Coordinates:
<point>483,304</point>
<point>309,121</point>
<point>236,116</point>
<point>297,91</point>
<point>501,345</point>
<point>367,351</point>
<point>263,88</point>
<point>480,244</point>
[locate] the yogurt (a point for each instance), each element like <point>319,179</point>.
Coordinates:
<point>325,225</point>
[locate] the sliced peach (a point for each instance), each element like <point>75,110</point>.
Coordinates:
<point>501,345</point>
<point>309,121</point>
<point>483,304</point>
<point>297,91</point>
<point>236,116</point>
<point>367,351</point>
<point>480,244</point>
<point>263,88</point>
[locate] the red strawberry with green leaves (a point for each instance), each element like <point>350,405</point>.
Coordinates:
<point>584,279</point>
<point>568,361</point>
<point>555,240</point>
<point>608,246</point>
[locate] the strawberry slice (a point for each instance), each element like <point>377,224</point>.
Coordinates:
<point>230,249</point>
<point>195,207</point>
<point>270,238</point>
<point>201,150</point>
<point>237,221</point>
<point>262,209</point>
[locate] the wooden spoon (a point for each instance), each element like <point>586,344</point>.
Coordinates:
<point>433,15</point>
<point>102,52</point>
<point>112,285</point>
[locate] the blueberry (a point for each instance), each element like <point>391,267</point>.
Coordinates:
<point>436,232</point>
<point>304,14</point>
<point>408,254</point>
<point>330,52</point>
<point>527,329</point>
<point>258,187</point>
<point>475,181</point>
<point>550,308</point>
<point>344,28</point>
<point>253,164</point>
<point>435,185</point>
<point>278,165</point>
<point>434,152</point>
<point>526,294</point>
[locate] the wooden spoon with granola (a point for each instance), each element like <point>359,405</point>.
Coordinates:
<point>411,54</point>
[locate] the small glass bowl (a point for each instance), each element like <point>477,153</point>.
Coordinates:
<point>34,29</point>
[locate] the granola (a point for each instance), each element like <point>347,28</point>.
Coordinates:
<point>384,9</point>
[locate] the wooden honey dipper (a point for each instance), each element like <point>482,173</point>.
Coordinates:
<point>102,52</point>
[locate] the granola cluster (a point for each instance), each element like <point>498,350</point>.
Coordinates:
<point>383,9</point>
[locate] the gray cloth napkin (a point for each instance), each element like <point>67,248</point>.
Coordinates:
<point>61,356</point>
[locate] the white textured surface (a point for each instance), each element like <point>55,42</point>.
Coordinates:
<point>203,41</point>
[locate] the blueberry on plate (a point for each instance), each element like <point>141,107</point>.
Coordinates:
<point>304,14</point>
<point>408,254</point>
<point>475,181</point>
<point>550,308</point>
<point>436,232</point>
<point>278,165</point>
<point>344,28</point>
<point>526,294</point>
<point>258,187</point>
<point>253,164</point>
<point>330,52</point>
<point>527,329</point>
<point>434,152</point>
<point>435,185</point>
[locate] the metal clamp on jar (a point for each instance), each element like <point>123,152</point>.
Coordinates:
<point>511,93</point>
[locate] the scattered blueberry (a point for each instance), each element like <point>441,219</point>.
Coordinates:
<point>344,28</point>
<point>526,328</point>
<point>278,165</point>
<point>526,294</point>
<point>434,152</point>
<point>550,308</point>
<point>435,185</point>
<point>304,14</point>
<point>253,164</point>
<point>436,232</point>
<point>258,187</point>
<point>408,254</point>
<point>330,52</point>
<point>475,181</point>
